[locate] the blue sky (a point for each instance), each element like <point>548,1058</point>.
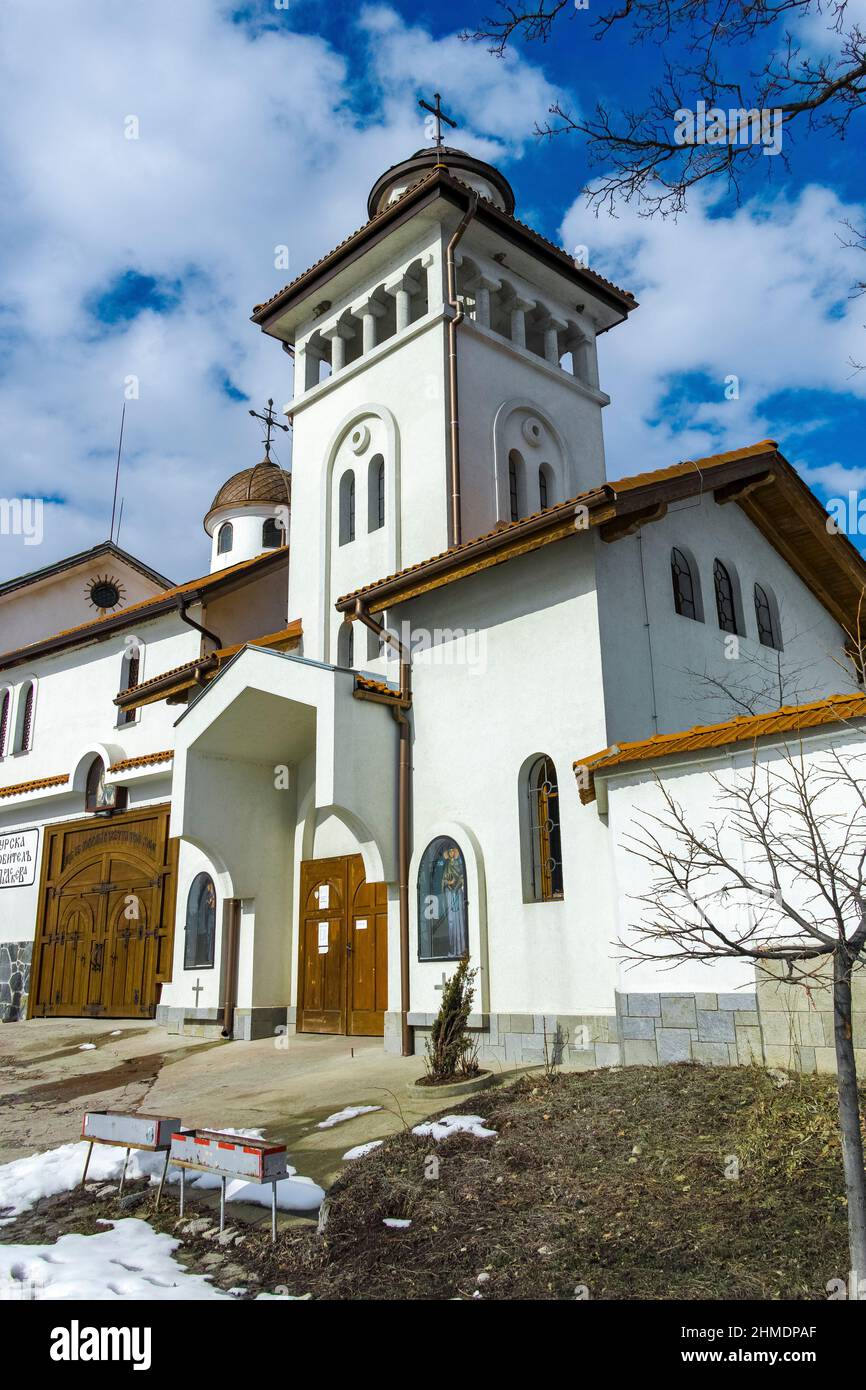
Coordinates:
<point>260,126</point>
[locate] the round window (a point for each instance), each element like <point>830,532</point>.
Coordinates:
<point>104,594</point>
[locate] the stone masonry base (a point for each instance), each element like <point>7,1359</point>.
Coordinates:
<point>778,1024</point>
<point>15,958</point>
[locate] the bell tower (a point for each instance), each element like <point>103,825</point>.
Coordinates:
<point>446,378</point>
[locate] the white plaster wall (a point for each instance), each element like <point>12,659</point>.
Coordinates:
<point>529,683</point>
<point>398,395</point>
<point>247,523</point>
<point>682,649</point>
<point>496,379</point>
<point>74,719</point>
<point>180,990</point>
<point>634,793</point>
<point>60,602</point>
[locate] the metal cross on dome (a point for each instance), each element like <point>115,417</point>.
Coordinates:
<point>439,115</point>
<point>270,422</point>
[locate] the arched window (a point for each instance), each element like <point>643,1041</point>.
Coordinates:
<point>272,534</point>
<point>26,700</point>
<point>226,538</point>
<point>347,508</point>
<point>768,625</point>
<point>346,646</point>
<point>544,833</point>
<point>5,708</point>
<point>725,606</point>
<point>130,676</point>
<point>545,487</point>
<point>442,918</point>
<point>685,598</point>
<point>376,493</point>
<point>515,484</point>
<point>97,796</point>
<point>200,938</point>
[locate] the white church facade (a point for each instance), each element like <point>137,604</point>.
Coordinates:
<point>386,728</point>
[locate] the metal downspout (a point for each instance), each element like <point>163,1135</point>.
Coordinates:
<point>182,606</point>
<point>453,325</point>
<point>404,802</point>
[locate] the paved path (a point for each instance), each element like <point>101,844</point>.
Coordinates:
<point>284,1086</point>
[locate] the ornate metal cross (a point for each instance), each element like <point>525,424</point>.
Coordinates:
<point>270,422</point>
<point>439,115</point>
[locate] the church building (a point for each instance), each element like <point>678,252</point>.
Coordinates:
<point>405,715</point>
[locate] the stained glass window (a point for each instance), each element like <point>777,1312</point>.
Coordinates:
<point>684,586</point>
<point>767,633</point>
<point>442,919</point>
<point>546,840</point>
<point>226,539</point>
<point>724,598</point>
<point>200,924</point>
<point>5,704</point>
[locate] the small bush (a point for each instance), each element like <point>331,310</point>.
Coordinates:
<point>450,1050</point>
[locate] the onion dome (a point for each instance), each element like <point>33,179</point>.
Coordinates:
<point>483,177</point>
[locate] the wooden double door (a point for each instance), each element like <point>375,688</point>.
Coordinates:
<point>106,918</point>
<point>343,943</point>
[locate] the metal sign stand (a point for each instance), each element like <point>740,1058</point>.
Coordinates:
<point>229,1156</point>
<point>150,1133</point>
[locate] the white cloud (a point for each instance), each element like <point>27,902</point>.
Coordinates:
<point>248,140</point>
<point>762,294</point>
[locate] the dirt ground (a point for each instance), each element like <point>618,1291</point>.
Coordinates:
<point>630,1183</point>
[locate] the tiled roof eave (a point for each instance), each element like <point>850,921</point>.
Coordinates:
<point>38,784</point>
<point>715,738</point>
<point>440,179</point>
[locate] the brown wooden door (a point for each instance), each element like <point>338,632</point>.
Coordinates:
<point>368,959</point>
<point>106,924</point>
<point>343,949</point>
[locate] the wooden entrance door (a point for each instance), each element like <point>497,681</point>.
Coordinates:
<point>106,923</point>
<point>343,945</point>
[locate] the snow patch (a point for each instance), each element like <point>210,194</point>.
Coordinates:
<point>447,1125</point>
<point>396,1223</point>
<point>348,1114</point>
<point>87,1047</point>
<point>360,1150</point>
<point>129,1261</point>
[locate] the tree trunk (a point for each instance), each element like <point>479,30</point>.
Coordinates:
<point>849,1122</point>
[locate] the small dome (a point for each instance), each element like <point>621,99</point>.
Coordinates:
<point>483,177</point>
<point>265,483</point>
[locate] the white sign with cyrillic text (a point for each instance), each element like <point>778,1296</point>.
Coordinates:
<point>18,858</point>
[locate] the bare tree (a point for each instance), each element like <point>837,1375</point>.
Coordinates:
<point>778,876</point>
<point>738,53</point>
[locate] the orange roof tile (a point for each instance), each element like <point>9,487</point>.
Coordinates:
<point>21,787</point>
<point>745,728</point>
<point>146,760</point>
<point>191,672</point>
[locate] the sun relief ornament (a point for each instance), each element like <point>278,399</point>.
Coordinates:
<point>105,593</point>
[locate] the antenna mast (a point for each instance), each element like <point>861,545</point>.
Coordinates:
<point>117,472</point>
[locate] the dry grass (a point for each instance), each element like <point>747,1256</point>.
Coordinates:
<point>614,1181</point>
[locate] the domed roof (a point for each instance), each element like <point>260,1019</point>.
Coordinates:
<point>475,172</point>
<point>266,482</point>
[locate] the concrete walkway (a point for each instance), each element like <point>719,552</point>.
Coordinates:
<point>284,1086</point>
